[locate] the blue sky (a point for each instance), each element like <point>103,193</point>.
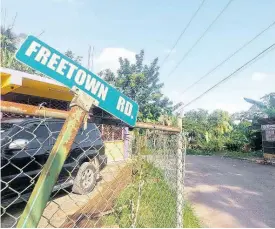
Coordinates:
<point>123,28</point>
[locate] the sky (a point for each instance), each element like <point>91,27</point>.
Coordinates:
<point>122,28</point>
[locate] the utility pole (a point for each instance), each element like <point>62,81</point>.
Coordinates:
<point>91,58</point>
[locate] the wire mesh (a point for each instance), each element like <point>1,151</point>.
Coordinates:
<point>112,177</point>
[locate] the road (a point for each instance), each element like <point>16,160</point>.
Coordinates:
<point>231,193</point>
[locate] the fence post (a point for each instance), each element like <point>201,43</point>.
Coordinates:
<point>179,177</point>
<point>126,140</point>
<point>33,211</point>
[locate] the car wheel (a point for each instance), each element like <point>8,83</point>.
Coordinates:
<point>85,179</point>
<point>96,164</point>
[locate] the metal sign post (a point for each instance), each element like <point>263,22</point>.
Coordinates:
<point>43,188</point>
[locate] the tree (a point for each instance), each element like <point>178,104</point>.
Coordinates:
<point>265,107</point>
<point>109,76</point>
<point>9,43</point>
<point>195,124</point>
<point>9,40</point>
<point>219,121</point>
<point>72,56</point>
<point>240,136</point>
<point>214,131</point>
<point>140,82</point>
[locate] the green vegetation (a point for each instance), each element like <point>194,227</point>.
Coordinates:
<point>72,56</point>
<point>140,82</point>
<point>9,44</point>
<point>157,203</point>
<point>237,135</point>
<point>215,131</point>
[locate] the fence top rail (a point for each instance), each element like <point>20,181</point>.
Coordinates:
<point>157,127</point>
<point>24,109</point>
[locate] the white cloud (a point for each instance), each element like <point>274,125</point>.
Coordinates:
<point>259,76</point>
<point>108,58</point>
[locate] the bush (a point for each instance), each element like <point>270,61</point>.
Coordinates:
<point>234,145</point>
<point>214,144</point>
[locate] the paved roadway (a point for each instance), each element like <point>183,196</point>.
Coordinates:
<point>231,193</point>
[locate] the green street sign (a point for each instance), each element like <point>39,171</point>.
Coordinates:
<point>45,59</point>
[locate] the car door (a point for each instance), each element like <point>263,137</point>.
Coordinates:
<point>55,127</point>
<point>24,165</point>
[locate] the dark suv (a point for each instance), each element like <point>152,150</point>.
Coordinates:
<point>25,147</point>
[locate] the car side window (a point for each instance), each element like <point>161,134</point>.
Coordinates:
<point>93,131</point>
<point>23,132</point>
<point>86,135</point>
<point>55,127</point>
<point>32,131</point>
<point>41,131</point>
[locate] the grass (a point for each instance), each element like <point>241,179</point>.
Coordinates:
<point>157,203</point>
<point>231,154</point>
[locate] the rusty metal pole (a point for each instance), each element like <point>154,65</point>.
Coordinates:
<point>50,172</point>
<point>19,108</point>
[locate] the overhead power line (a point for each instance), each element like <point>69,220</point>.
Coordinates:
<point>203,34</point>
<point>254,59</point>
<point>229,57</point>
<point>184,30</point>
<point>40,34</point>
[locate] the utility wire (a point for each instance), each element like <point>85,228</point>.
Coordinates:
<point>229,57</point>
<point>254,59</point>
<point>41,33</point>
<point>203,34</point>
<point>184,30</point>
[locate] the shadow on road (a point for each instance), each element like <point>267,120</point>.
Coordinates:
<point>231,193</point>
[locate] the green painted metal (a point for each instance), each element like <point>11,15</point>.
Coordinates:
<point>50,172</point>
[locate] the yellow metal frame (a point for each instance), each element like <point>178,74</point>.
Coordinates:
<point>29,84</point>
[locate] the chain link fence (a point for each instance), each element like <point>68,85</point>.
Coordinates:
<point>112,177</point>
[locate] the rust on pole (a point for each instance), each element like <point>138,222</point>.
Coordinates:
<point>37,202</point>
<point>25,109</point>
<point>19,108</point>
<point>157,127</point>
<point>50,172</point>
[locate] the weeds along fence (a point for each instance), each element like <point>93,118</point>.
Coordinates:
<point>111,176</point>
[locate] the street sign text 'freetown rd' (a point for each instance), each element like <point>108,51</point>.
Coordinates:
<point>43,58</point>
